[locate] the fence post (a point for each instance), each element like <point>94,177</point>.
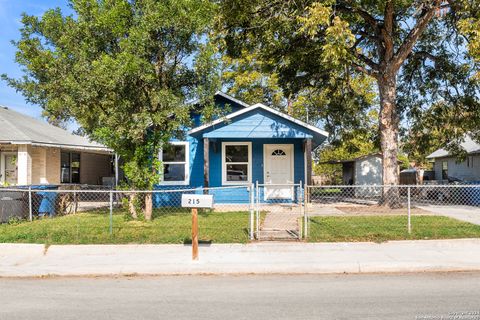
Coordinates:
<point>30,209</point>
<point>305,211</point>
<point>75,205</point>
<point>111,213</point>
<point>257,227</point>
<point>409,211</point>
<point>252,221</point>
<point>302,208</point>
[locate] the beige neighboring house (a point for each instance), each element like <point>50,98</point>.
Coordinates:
<point>34,152</point>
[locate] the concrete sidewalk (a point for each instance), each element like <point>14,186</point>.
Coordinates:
<point>24,260</point>
<point>463,213</point>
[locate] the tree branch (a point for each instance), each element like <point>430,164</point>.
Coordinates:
<point>369,62</point>
<point>387,30</point>
<point>425,54</point>
<point>362,69</point>
<point>350,8</point>
<point>412,37</point>
<point>388,16</point>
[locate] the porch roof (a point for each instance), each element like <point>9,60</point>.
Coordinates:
<point>260,121</point>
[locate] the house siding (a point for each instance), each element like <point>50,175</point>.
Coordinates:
<point>460,170</point>
<point>234,195</point>
<point>53,165</point>
<point>368,171</point>
<point>39,165</point>
<point>258,124</point>
<point>93,167</point>
<point>45,165</point>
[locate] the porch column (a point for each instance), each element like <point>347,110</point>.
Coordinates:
<point>206,162</point>
<point>308,162</point>
<point>24,163</point>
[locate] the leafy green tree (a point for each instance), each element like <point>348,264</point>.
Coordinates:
<point>470,26</point>
<point>123,70</point>
<point>411,49</point>
<point>359,141</point>
<point>245,78</point>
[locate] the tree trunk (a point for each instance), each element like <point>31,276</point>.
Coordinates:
<point>148,206</point>
<point>131,206</point>
<point>388,125</point>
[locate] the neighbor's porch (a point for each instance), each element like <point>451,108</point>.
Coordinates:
<point>25,164</point>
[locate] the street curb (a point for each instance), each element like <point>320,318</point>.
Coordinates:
<point>24,260</point>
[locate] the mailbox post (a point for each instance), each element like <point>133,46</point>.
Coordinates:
<point>196,201</point>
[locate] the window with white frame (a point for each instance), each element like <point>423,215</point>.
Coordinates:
<point>174,157</point>
<point>236,162</point>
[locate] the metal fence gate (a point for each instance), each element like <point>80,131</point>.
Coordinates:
<point>279,211</point>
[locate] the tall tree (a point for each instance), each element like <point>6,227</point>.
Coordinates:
<point>245,78</point>
<point>123,70</point>
<point>395,43</point>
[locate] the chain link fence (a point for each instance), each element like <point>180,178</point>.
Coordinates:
<point>88,214</point>
<point>378,213</point>
<point>116,216</point>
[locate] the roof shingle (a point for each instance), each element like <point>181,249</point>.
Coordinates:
<point>17,128</point>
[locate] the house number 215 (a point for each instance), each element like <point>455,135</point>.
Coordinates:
<point>197,200</point>
<point>193,201</point>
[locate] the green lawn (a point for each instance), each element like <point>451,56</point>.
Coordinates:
<point>93,228</point>
<point>383,228</point>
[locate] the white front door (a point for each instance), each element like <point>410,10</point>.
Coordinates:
<point>278,170</point>
<point>9,168</point>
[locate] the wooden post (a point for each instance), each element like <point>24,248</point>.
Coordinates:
<point>308,152</point>
<point>194,234</point>
<point>206,149</point>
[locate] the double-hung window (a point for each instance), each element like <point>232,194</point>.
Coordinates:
<point>174,157</point>
<point>236,162</point>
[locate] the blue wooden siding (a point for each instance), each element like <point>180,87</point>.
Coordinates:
<point>258,123</point>
<point>215,176</point>
<point>239,195</point>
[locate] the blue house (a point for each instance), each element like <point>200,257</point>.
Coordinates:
<point>252,143</point>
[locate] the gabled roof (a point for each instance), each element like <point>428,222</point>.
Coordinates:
<point>227,97</point>
<point>468,145</point>
<point>17,128</point>
<point>260,106</point>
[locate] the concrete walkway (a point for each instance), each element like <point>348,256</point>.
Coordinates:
<point>283,225</point>
<point>23,260</point>
<point>462,213</point>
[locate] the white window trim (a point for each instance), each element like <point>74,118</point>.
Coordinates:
<point>185,182</point>
<point>224,163</point>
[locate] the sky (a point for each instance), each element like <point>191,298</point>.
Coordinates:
<point>10,17</point>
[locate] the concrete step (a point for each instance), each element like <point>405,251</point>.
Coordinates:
<point>278,235</point>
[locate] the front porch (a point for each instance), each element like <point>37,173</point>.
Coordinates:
<point>25,164</point>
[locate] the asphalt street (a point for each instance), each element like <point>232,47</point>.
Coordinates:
<point>374,296</point>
